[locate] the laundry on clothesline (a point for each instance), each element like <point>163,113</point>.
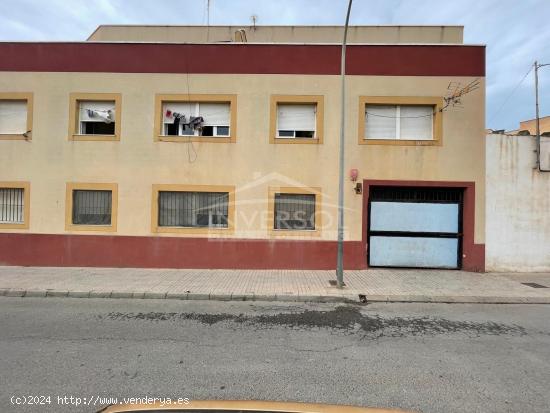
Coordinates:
<point>106,116</point>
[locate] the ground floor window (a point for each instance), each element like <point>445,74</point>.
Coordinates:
<point>92,207</point>
<point>193,209</point>
<point>294,211</point>
<point>12,205</point>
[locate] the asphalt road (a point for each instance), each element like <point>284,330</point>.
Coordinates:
<point>421,357</point>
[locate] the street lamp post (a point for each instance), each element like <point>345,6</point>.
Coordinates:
<point>340,252</point>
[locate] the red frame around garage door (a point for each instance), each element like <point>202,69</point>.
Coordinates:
<point>473,255</point>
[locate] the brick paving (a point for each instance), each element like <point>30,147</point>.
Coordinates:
<point>281,285</point>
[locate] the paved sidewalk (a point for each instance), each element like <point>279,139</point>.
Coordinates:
<point>281,285</point>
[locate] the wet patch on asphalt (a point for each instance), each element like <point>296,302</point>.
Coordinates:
<point>345,319</point>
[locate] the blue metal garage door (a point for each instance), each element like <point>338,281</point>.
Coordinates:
<point>414,227</point>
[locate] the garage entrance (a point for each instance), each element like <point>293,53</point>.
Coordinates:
<point>414,227</point>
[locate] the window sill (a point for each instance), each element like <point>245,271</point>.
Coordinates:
<point>15,137</point>
<point>186,139</point>
<point>295,232</point>
<point>98,228</point>
<point>193,230</point>
<point>314,141</point>
<point>104,138</point>
<point>14,226</point>
<point>400,142</point>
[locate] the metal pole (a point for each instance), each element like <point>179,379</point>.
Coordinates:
<point>340,252</point>
<point>537,122</point>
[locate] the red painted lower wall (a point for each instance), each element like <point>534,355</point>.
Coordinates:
<point>66,250</point>
<point>58,250</point>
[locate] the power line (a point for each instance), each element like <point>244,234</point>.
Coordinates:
<point>510,95</point>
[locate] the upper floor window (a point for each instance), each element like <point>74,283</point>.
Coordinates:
<point>202,118</point>
<point>95,116</point>
<point>401,121</point>
<point>196,119</point>
<point>15,115</point>
<point>296,119</point>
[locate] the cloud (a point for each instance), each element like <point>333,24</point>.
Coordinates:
<point>516,33</point>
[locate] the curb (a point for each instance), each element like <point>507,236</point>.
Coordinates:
<point>342,298</point>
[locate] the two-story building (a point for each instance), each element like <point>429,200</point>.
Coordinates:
<point>217,147</point>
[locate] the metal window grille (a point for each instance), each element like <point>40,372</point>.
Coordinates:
<point>12,205</point>
<point>295,211</point>
<point>92,207</point>
<point>415,194</point>
<point>193,209</point>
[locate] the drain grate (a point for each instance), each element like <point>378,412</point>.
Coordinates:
<point>535,285</point>
<point>334,283</point>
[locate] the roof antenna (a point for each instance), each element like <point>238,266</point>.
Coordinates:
<point>254,19</point>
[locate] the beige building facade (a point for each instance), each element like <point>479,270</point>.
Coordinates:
<point>124,154</point>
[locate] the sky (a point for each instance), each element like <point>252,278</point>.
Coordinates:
<point>516,32</point>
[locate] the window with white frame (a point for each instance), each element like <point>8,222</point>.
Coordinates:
<point>296,120</point>
<point>13,117</point>
<point>394,122</point>
<point>12,205</point>
<point>96,117</point>
<point>193,209</point>
<point>196,119</point>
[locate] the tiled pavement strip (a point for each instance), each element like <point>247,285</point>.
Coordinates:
<point>392,285</point>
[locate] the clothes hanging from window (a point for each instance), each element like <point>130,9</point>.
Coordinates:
<point>196,122</point>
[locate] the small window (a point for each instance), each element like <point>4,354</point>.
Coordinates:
<point>294,211</point>
<point>196,119</point>
<point>15,115</point>
<point>92,207</point>
<point>193,209</point>
<point>97,117</point>
<point>399,122</point>
<point>296,120</point>
<point>12,206</point>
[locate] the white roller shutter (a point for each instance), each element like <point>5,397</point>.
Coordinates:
<point>13,117</point>
<point>380,122</point>
<point>296,117</point>
<point>185,108</point>
<point>215,114</point>
<point>416,122</point>
<point>102,107</point>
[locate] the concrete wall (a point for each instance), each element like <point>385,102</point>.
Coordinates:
<point>518,205</point>
<point>280,34</point>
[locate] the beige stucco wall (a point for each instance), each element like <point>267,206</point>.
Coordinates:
<point>518,205</point>
<point>280,34</point>
<point>531,126</point>
<point>251,164</point>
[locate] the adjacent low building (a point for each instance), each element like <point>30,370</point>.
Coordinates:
<point>217,147</point>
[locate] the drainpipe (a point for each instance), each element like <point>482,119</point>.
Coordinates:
<point>340,252</point>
